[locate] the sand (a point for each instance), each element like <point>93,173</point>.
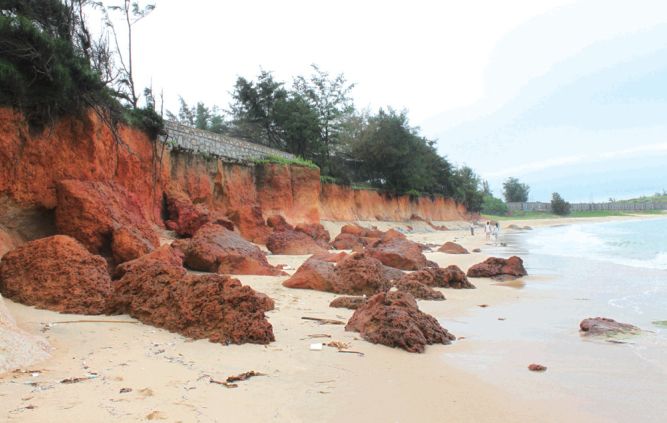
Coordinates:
<point>133,372</point>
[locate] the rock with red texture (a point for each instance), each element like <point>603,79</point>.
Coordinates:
<point>393,319</point>
<point>317,232</point>
<point>278,223</point>
<point>185,218</point>
<point>392,274</point>
<point>400,253</point>
<point>359,274</point>
<point>353,229</point>
<point>165,254</point>
<point>216,307</point>
<point>449,277</point>
<point>127,243</point>
<point>452,248</point>
<point>92,211</point>
<point>315,273</point>
<point>251,224</point>
<point>495,267</point>
<point>292,243</point>
<point>56,273</point>
<point>346,241</point>
<point>215,248</point>
<point>606,327</point>
<point>419,290</point>
<point>392,234</point>
<point>351,303</point>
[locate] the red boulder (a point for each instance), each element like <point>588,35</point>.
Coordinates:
<point>215,248</point>
<point>185,218</point>
<point>452,248</point>
<point>278,223</point>
<point>498,267</point>
<point>606,327</point>
<point>56,273</point>
<point>393,319</point>
<point>418,290</point>
<point>292,243</point>
<point>351,303</point>
<point>400,253</point>
<point>315,273</point>
<point>251,224</point>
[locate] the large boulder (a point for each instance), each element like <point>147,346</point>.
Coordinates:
<point>293,243</point>
<point>185,218</point>
<point>495,267</point>
<point>400,253</point>
<point>250,223</point>
<point>449,277</point>
<point>215,248</point>
<point>216,307</point>
<point>355,274</point>
<point>355,237</point>
<point>452,248</point>
<point>419,290</point>
<point>393,319</point>
<point>606,327</point>
<point>96,212</point>
<point>317,232</point>
<point>56,273</point>
<point>165,254</point>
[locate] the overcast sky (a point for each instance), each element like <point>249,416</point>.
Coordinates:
<point>569,96</point>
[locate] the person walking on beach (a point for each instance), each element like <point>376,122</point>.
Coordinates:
<point>487,230</point>
<point>472,228</point>
<point>496,231</point>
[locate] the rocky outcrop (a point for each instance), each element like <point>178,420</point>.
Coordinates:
<point>278,223</point>
<point>495,267</point>
<point>215,248</point>
<point>185,218</point>
<point>351,303</point>
<point>165,254</point>
<point>419,290</point>
<point>95,213</point>
<point>250,222</point>
<point>393,319</point>
<point>400,253</point>
<point>355,237</point>
<point>215,307</point>
<point>452,248</point>
<point>293,243</point>
<point>317,232</point>
<point>449,277</point>
<point>18,349</point>
<point>56,273</point>
<point>355,274</point>
<point>602,326</point>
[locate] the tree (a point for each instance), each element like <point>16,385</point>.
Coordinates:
<point>558,205</point>
<point>514,191</point>
<point>494,206</point>
<point>467,191</point>
<point>199,116</point>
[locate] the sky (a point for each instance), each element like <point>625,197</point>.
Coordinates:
<point>568,96</point>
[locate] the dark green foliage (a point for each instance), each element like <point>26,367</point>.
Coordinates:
<point>466,188</point>
<point>42,71</point>
<point>494,206</point>
<point>558,205</point>
<point>199,116</point>
<point>514,191</point>
<point>146,119</point>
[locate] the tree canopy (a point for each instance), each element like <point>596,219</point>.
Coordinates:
<point>514,191</point>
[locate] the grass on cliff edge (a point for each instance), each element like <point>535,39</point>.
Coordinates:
<point>521,215</point>
<point>298,161</point>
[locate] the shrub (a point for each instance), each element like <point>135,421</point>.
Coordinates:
<point>494,206</point>
<point>298,161</point>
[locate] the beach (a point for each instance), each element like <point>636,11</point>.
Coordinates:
<point>123,370</point>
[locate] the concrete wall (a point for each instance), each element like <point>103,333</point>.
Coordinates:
<point>616,206</point>
<point>205,142</point>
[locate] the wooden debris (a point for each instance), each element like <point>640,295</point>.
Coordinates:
<point>324,321</point>
<point>74,380</point>
<point>225,384</point>
<point>537,368</point>
<point>352,352</point>
<point>125,390</point>
<point>338,344</point>
<point>244,376</point>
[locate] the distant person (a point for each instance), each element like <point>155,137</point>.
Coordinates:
<point>496,231</point>
<point>487,230</point>
<point>472,228</point>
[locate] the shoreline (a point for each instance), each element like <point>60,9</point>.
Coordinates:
<point>168,374</point>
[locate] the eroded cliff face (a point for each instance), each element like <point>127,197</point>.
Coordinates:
<point>31,164</point>
<point>344,203</point>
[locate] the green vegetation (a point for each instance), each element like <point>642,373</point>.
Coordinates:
<point>494,206</point>
<point>298,161</point>
<point>658,197</point>
<point>514,191</point>
<point>558,205</point>
<point>522,215</point>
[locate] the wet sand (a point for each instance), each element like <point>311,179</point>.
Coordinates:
<point>134,372</point>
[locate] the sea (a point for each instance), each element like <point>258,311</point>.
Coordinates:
<point>615,269</point>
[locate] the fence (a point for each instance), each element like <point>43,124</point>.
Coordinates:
<point>205,142</point>
<point>615,206</point>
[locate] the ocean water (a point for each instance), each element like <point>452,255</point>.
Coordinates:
<point>616,270</point>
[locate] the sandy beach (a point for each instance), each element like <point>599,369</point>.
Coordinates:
<point>126,371</point>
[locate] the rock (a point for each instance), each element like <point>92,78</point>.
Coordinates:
<point>494,266</point>
<point>607,327</point>
<point>393,319</point>
<point>19,349</point>
<point>355,237</point>
<point>418,289</point>
<point>292,243</point>
<point>392,274</point>
<point>346,241</point>
<point>449,277</point>
<point>56,273</point>
<point>355,274</point>
<point>400,253</point>
<point>353,229</point>
<point>165,254</point>
<point>216,307</point>
<point>92,212</point>
<point>351,303</point>
<point>537,368</point>
<point>215,248</point>
<point>476,250</point>
<point>359,274</point>
<point>251,224</point>
<point>317,232</point>
<point>452,248</point>
<point>278,223</point>
<point>185,218</point>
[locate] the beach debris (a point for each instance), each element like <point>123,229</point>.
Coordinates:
<point>317,335</point>
<point>393,319</point>
<point>359,353</point>
<point>482,305</point>
<point>338,344</point>
<point>323,321</point>
<point>537,368</point>
<point>316,347</point>
<point>607,327</point>
<point>244,376</point>
<point>76,379</point>
<point>476,250</point>
<point>495,266</point>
